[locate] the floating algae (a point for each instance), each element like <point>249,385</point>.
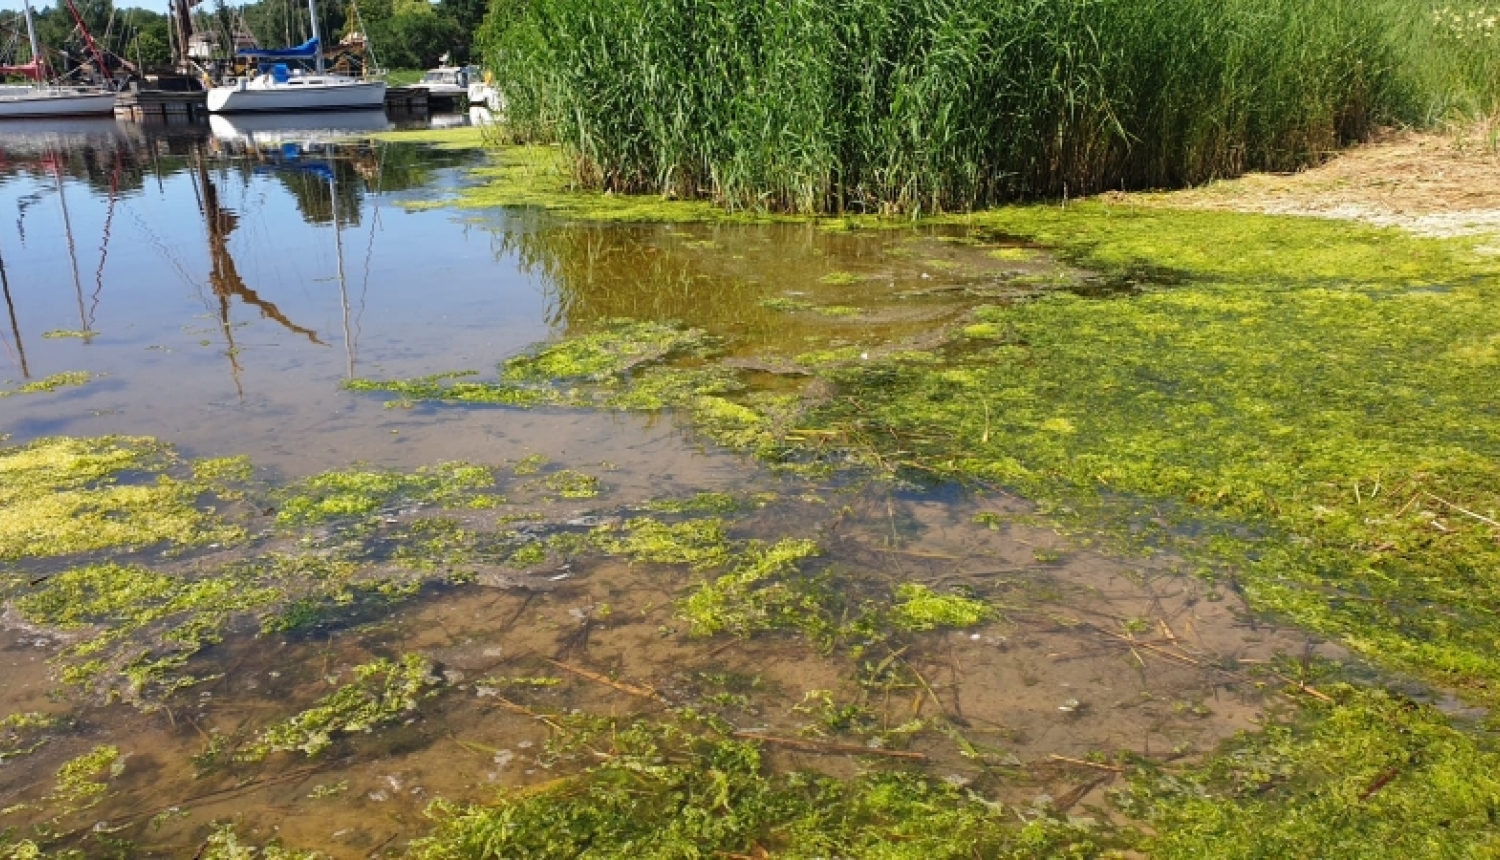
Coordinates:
<point>669,791</point>
<point>1304,408</point>
<point>63,496</point>
<point>48,384</point>
<point>360,491</point>
<point>382,692</point>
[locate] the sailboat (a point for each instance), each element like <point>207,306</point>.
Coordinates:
<point>278,88</point>
<point>43,100</point>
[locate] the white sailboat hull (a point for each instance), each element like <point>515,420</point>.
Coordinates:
<point>32,102</point>
<point>303,96</point>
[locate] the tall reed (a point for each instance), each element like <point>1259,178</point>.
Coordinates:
<point>922,105</point>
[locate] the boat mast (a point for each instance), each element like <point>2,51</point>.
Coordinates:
<point>88,38</point>
<point>36,50</point>
<point>312,8</point>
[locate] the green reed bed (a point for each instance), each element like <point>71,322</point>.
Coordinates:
<point>919,105</point>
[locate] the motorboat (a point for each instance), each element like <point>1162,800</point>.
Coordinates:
<point>49,100</point>
<point>279,88</point>
<point>448,81</point>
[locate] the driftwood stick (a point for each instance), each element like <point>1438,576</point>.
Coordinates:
<point>524,711</point>
<point>827,748</point>
<point>631,689</point>
<point>1481,518</point>
<point>1083,763</point>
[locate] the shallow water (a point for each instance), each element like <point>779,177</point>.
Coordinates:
<point>219,283</point>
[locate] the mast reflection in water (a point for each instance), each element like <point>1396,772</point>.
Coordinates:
<point>134,252</point>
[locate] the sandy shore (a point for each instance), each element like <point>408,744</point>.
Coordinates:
<point>1429,184</point>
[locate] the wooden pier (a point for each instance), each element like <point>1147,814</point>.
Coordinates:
<point>419,100</point>
<point>162,105</point>
<point>174,106</point>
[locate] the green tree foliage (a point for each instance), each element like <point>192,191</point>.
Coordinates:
<point>133,35</point>
<point>403,33</point>
<point>412,39</point>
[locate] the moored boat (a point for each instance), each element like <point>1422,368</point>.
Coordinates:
<point>448,81</point>
<point>48,100</point>
<point>282,89</point>
<point>277,87</point>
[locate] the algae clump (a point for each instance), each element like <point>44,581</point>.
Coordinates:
<point>225,844</point>
<point>664,792</point>
<point>359,491</point>
<point>65,496</point>
<point>382,692</point>
<point>920,608</point>
<point>51,383</point>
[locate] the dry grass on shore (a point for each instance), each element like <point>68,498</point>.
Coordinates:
<point>1431,184</point>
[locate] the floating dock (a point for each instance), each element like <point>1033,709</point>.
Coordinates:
<point>171,106</point>
<point>161,105</point>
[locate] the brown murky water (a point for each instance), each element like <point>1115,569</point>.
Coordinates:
<point>220,284</point>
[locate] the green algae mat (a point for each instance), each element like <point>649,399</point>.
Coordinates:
<point>1294,415</point>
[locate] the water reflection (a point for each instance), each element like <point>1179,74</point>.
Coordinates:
<point>136,253</point>
<point>781,289</point>
<point>133,253</point>
<point>15,327</point>
<point>225,277</point>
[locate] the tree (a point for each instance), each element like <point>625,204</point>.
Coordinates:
<point>412,41</point>
<point>148,51</point>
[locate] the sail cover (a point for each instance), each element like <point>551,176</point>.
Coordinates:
<point>33,70</point>
<point>306,51</point>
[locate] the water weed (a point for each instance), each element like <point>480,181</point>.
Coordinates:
<point>665,792</point>
<point>382,692</point>
<point>1374,775</point>
<point>63,496</point>
<point>49,384</point>
<point>920,608</point>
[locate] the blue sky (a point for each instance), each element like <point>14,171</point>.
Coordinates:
<point>154,5</point>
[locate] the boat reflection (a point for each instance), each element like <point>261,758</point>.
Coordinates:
<point>36,136</point>
<point>258,130</point>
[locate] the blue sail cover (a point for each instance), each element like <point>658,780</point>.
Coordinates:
<point>306,51</point>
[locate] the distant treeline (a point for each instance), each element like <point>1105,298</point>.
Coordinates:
<point>403,33</point>
<point>920,105</point>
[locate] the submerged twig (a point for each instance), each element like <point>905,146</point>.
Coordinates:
<point>642,692</point>
<point>1380,782</point>
<point>1084,763</point>
<point>231,791</point>
<point>524,711</point>
<point>1484,519</point>
<point>828,748</point>
<point>1303,687</point>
